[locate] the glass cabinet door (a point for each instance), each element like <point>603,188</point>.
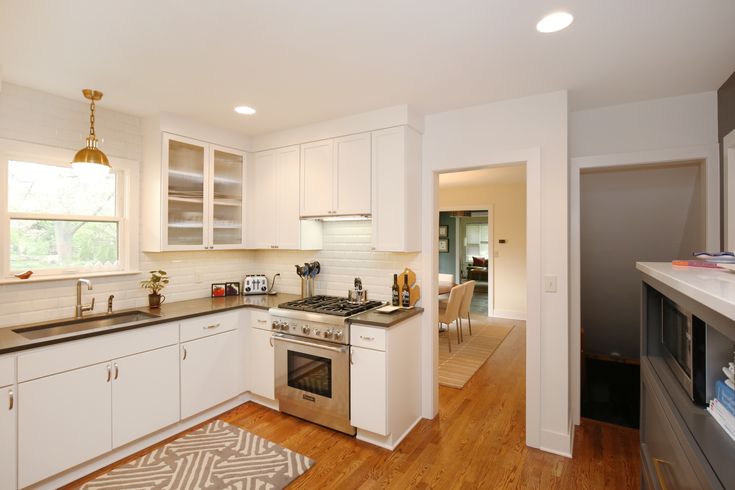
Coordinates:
<point>227,198</point>
<point>186,208</point>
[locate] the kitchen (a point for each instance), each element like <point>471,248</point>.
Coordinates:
<point>351,187</point>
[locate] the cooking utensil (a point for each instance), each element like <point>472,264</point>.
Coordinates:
<point>359,296</point>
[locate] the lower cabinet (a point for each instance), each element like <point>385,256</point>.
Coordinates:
<point>8,409</point>
<point>63,420</point>
<point>262,364</point>
<point>368,395</point>
<point>145,394</point>
<point>209,372</point>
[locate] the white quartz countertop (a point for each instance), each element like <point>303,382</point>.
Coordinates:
<point>714,288</point>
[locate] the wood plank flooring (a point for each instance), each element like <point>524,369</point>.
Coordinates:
<point>476,441</point>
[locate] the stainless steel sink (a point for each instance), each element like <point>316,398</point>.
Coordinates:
<point>76,325</point>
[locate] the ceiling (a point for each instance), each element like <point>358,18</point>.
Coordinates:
<point>512,174</point>
<point>298,62</point>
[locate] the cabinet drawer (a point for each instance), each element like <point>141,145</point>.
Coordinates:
<point>664,458</point>
<point>368,337</point>
<point>260,319</point>
<point>7,370</point>
<point>204,326</point>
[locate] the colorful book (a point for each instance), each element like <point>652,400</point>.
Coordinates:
<point>725,395</point>
<point>715,412</point>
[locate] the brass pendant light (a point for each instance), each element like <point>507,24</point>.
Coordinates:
<point>91,159</point>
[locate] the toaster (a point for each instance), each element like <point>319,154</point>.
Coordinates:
<point>255,284</point>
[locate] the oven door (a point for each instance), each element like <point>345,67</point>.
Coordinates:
<point>313,381</point>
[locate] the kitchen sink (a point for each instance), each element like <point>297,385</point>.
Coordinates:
<point>76,325</point>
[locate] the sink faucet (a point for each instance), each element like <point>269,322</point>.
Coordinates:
<point>109,304</point>
<point>80,308</point>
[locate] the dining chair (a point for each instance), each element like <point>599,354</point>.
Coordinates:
<point>464,307</point>
<point>450,314</point>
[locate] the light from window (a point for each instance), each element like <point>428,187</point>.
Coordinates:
<point>476,239</point>
<point>60,221</point>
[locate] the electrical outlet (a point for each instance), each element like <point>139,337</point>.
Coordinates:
<point>550,284</point>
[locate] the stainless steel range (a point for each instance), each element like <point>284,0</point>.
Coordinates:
<point>311,338</point>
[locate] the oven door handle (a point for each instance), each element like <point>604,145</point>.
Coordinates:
<point>283,338</point>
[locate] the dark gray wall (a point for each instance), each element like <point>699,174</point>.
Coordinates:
<point>630,215</point>
<point>448,261</point>
<point>725,124</point>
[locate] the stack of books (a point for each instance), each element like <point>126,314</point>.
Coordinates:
<point>722,407</point>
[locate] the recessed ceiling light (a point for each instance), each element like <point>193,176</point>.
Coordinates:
<point>555,22</point>
<point>243,109</point>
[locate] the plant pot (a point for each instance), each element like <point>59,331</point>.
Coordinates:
<point>156,300</point>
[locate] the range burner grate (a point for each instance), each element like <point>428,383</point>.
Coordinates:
<point>329,305</point>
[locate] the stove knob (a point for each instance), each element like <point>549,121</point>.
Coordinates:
<point>284,326</point>
<point>337,334</point>
<point>275,325</point>
<point>305,330</point>
<point>328,333</point>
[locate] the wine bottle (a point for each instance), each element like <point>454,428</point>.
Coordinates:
<point>395,295</point>
<point>405,293</point>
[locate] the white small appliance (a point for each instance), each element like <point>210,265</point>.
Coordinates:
<point>255,284</point>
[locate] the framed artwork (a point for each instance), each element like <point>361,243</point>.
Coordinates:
<point>218,290</point>
<point>444,245</point>
<point>232,289</point>
<point>443,231</point>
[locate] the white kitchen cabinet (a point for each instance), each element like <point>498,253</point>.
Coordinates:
<point>369,388</point>
<point>63,420</point>
<point>209,372</point>
<point>262,364</point>
<point>273,216</point>
<point>193,195</point>
<point>145,394</point>
<point>396,202</point>
<point>8,409</point>
<point>335,177</point>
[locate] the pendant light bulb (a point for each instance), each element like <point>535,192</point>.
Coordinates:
<point>90,160</point>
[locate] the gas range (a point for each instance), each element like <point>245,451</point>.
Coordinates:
<point>318,317</point>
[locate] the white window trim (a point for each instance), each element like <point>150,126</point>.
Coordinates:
<point>128,201</point>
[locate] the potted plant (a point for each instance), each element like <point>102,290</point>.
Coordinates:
<point>155,284</point>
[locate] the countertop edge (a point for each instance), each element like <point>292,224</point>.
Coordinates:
<point>391,319</point>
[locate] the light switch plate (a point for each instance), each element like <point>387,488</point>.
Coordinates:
<point>550,284</point>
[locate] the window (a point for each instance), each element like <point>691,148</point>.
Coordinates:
<point>60,223</point>
<point>476,241</point>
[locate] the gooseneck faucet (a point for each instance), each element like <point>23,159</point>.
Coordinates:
<point>80,308</point>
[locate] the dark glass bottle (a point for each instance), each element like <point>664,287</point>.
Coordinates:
<point>395,294</point>
<point>405,293</point>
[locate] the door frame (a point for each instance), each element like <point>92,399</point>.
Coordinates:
<point>711,185</point>
<point>728,190</point>
<point>490,208</point>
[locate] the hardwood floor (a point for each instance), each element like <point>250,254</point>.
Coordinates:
<point>476,441</point>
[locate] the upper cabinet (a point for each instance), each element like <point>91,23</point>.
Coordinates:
<point>396,203</point>
<point>192,196</point>
<point>273,210</point>
<point>335,177</point>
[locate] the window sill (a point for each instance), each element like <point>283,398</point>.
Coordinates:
<point>32,279</point>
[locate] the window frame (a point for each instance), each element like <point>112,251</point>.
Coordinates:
<point>126,210</point>
<point>480,242</point>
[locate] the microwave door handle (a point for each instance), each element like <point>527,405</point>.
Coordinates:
<point>280,337</point>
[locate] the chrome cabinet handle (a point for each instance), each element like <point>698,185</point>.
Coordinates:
<point>289,340</point>
<point>367,338</point>
<point>11,399</point>
<point>117,370</point>
<point>351,354</point>
<point>260,320</point>
<point>270,341</point>
<point>211,326</point>
<point>109,373</point>
<point>184,359</point>
<point>659,474</point>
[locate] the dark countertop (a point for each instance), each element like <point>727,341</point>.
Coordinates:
<point>385,320</point>
<point>179,310</point>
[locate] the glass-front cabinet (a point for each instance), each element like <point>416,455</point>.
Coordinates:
<point>203,190</point>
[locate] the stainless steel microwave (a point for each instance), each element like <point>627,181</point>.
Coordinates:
<point>683,338</point>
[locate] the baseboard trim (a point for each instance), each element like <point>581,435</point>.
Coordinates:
<point>386,442</point>
<point>509,314</point>
<point>557,443</point>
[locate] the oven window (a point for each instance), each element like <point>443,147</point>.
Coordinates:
<point>310,373</point>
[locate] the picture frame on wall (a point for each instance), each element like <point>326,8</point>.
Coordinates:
<point>443,231</point>
<point>219,290</point>
<point>444,245</point>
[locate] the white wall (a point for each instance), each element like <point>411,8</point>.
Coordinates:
<point>526,129</point>
<point>509,223</point>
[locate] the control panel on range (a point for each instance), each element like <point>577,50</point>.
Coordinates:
<point>309,329</point>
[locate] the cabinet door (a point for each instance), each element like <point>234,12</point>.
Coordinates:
<point>317,178</point>
<point>8,408</point>
<point>287,202</point>
<point>264,200</point>
<point>145,394</point>
<point>186,216</point>
<point>352,174</point>
<point>262,364</point>
<point>226,211</point>
<point>208,372</point>
<point>368,399</point>
<point>63,420</point>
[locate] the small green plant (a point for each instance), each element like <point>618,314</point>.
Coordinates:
<point>156,283</point>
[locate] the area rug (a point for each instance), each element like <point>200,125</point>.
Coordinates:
<point>217,456</point>
<point>457,367</point>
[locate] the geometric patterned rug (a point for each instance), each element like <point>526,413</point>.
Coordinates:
<point>457,367</point>
<point>217,456</point>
